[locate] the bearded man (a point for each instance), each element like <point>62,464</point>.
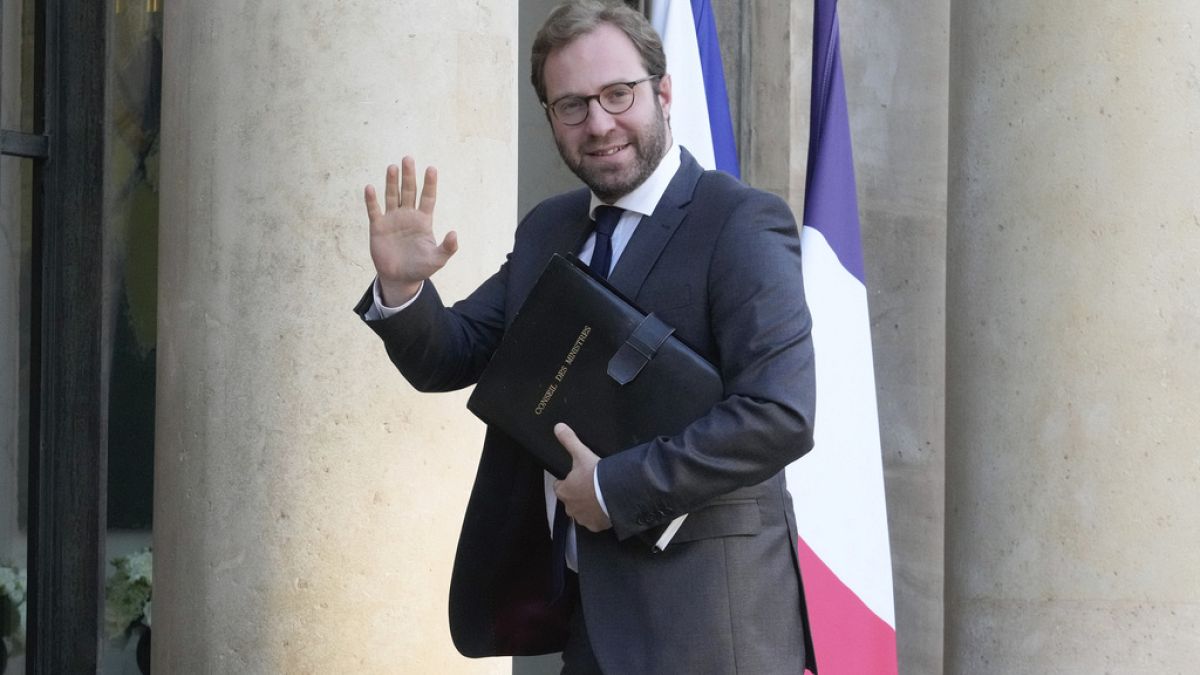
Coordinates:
<point>717,261</point>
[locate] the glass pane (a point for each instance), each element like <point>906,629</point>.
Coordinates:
<point>16,65</point>
<point>16,208</point>
<point>131,291</point>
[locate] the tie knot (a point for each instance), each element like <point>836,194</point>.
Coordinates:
<point>606,219</point>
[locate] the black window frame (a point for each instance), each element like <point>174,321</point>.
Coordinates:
<point>67,392</point>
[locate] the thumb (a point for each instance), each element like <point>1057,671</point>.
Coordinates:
<point>567,438</point>
<point>449,244</point>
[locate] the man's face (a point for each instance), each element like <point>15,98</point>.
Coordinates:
<point>611,154</point>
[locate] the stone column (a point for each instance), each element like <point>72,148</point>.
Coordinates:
<point>896,60</point>
<point>769,91</point>
<point>1073,339</point>
<point>307,501</point>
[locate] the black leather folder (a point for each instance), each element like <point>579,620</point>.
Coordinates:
<point>578,352</point>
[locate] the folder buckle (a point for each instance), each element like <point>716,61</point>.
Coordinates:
<point>637,351</point>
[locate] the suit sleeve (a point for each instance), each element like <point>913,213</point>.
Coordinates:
<point>762,331</point>
<point>439,348</point>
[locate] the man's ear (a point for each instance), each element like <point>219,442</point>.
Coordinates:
<point>664,95</point>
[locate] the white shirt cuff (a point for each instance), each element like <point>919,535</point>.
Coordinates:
<point>378,310</point>
<point>599,494</point>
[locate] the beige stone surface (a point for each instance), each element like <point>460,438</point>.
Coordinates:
<point>896,66</point>
<point>308,501</point>
<point>772,107</point>
<point>1077,636</point>
<point>1073,338</point>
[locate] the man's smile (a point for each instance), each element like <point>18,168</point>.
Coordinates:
<point>608,151</point>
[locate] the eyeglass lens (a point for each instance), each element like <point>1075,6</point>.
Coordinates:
<point>614,99</point>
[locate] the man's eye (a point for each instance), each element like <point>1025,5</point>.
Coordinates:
<point>570,106</point>
<point>618,95</point>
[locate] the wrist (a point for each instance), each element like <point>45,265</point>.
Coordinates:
<point>396,293</point>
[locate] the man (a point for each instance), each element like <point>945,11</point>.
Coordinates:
<point>714,259</point>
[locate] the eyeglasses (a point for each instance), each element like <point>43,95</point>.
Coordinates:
<point>615,99</point>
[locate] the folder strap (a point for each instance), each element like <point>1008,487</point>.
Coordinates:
<point>637,351</point>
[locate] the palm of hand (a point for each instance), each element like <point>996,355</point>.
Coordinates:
<point>403,247</point>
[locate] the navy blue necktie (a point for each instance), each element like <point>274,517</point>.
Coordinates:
<point>606,221</point>
<point>558,549</point>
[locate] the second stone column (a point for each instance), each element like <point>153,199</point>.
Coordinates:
<point>307,501</point>
<point>1073,315</point>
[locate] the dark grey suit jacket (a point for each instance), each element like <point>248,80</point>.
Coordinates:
<point>720,262</point>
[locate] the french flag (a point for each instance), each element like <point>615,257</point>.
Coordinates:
<point>838,487</point>
<point>700,118</point>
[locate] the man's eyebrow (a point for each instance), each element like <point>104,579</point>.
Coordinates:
<point>602,88</point>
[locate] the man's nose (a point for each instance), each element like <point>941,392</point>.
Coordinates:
<point>599,121</point>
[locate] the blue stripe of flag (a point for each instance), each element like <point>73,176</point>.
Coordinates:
<point>719,120</point>
<point>830,202</point>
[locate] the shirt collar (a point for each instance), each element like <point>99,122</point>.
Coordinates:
<point>644,198</point>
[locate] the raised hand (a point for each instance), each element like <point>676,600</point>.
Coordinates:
<point>403,247</point>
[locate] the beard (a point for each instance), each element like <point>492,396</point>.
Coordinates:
<point>649,145</point>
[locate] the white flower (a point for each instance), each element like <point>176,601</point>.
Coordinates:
<point>141,566</point>
<point>128,592</point>
<point>13,584</point>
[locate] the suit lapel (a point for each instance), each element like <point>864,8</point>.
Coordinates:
<point>576,233</point>
<point>568,237</point>
<point>564,233</point>
<point>655,230</point>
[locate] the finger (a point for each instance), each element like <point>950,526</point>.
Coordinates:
<point>372,203</point>
<point>408,182</point>
<point>560,491</point>
<point>391,190</point>
<point>567,438</point>
<point>429,191</point>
